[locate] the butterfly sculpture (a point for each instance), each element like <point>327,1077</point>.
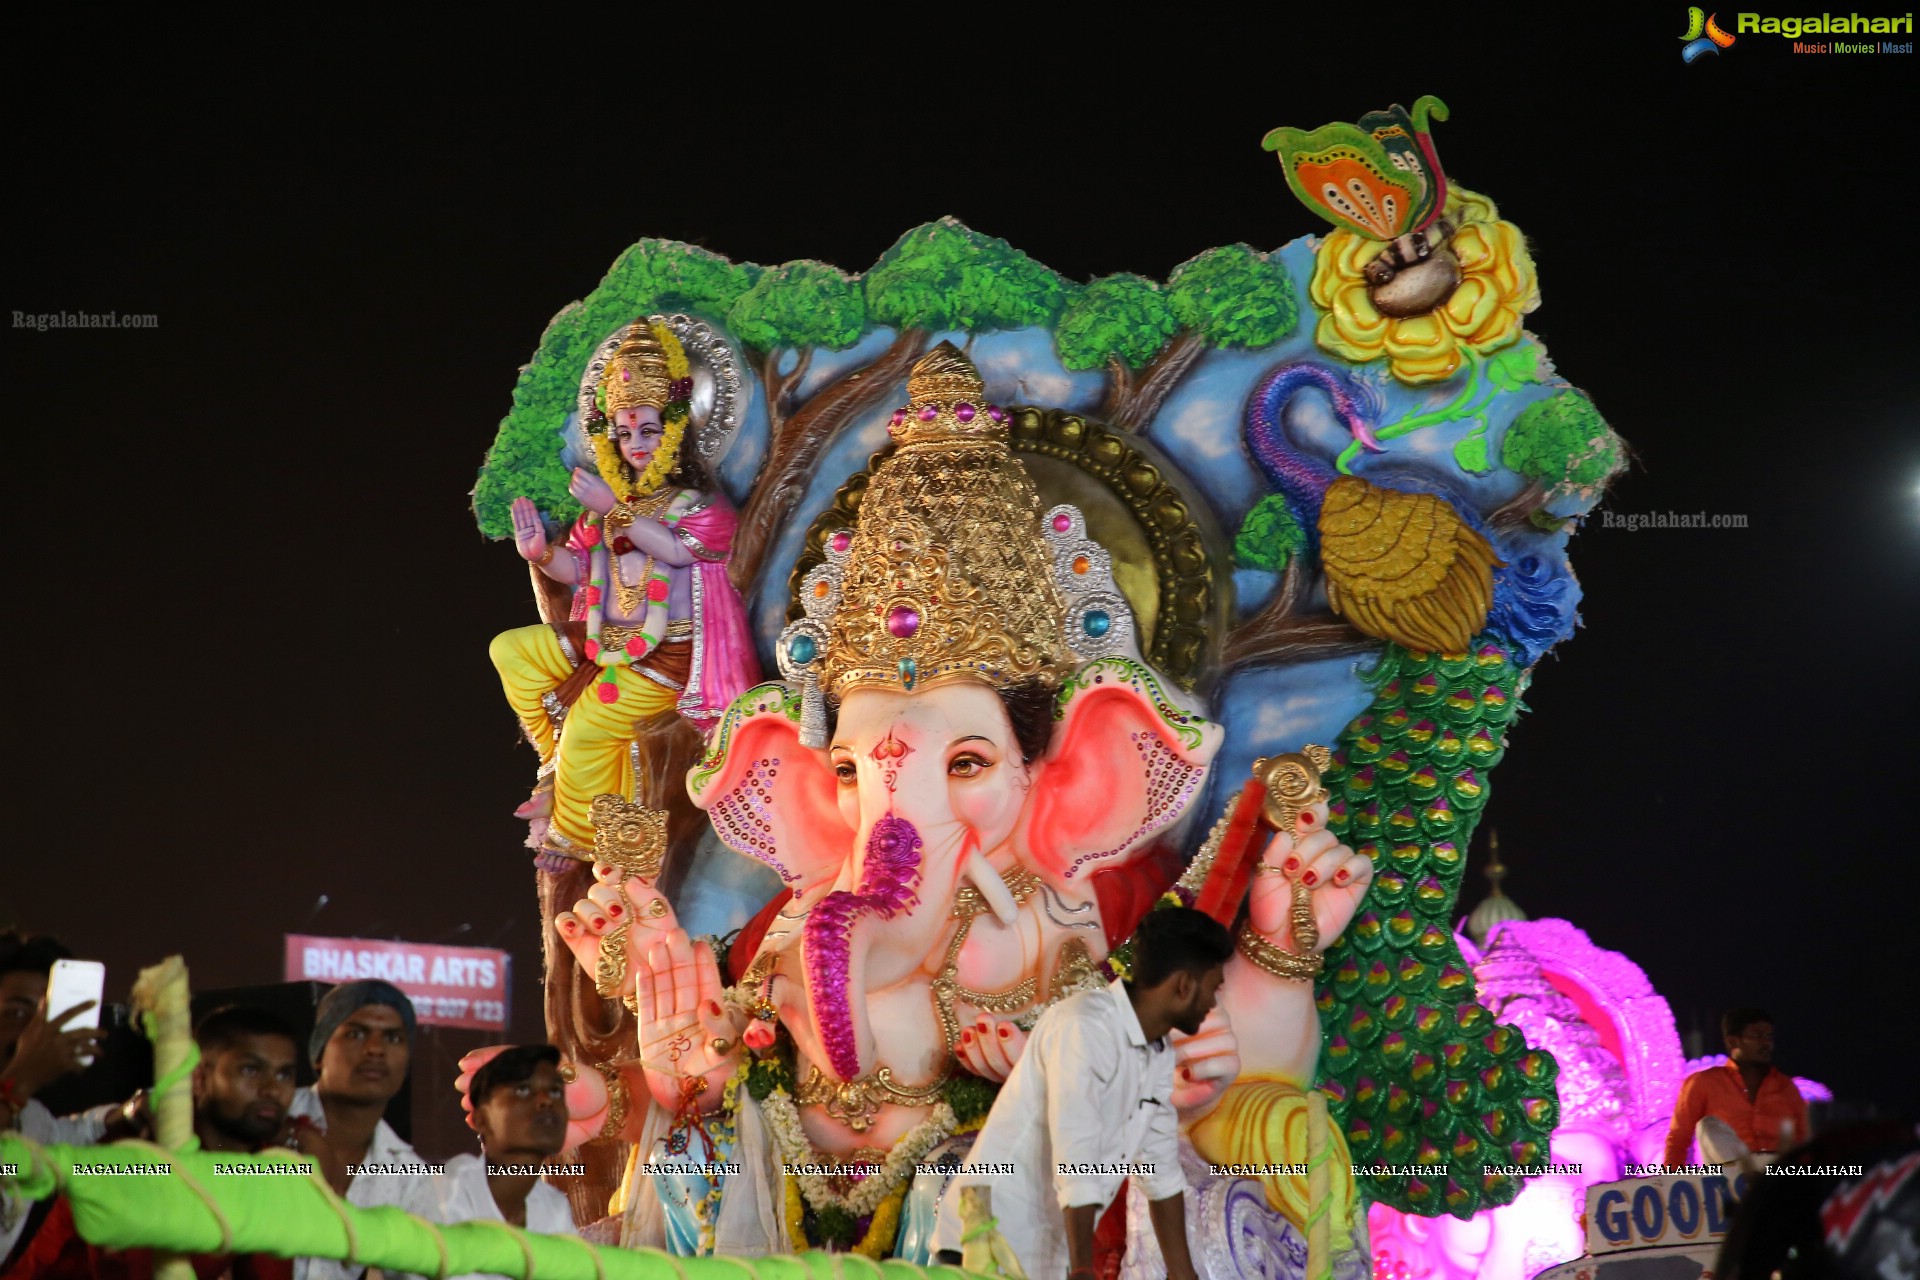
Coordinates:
<point>1381,179</point>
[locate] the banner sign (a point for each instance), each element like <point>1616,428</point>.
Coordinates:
<point>449,986</point>
<point>1643,1213</point>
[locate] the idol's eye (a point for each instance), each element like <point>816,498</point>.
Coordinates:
<point>968,766</point>
<point>846,772</point>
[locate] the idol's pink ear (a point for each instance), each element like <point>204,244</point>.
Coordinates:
<point>769,797</point>
<point>1124,764</point>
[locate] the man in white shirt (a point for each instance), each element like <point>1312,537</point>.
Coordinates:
<point>361,1044</point>
<point>520,1109</point>
<point>1089,1104</point>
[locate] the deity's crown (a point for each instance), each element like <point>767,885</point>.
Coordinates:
<point>637,374</point>
<point>952,570</point>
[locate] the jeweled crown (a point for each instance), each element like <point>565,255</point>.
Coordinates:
<point>946,401</point>
<point>952,571</point>
<point>947,575</point>
<point>636,374</point>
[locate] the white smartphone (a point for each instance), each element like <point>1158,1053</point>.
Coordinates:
<point>75,982</point>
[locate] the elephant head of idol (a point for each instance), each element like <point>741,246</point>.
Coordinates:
<point>961,702</point>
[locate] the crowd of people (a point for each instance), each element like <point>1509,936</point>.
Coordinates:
<point>1098,1056</point>
<point>245,1101</point>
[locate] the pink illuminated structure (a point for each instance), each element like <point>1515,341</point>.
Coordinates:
<point>1621,1066</point>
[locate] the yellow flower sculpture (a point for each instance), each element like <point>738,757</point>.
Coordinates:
<point>1497,287</point>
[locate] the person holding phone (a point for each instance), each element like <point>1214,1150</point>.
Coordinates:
<point>44,1036</point>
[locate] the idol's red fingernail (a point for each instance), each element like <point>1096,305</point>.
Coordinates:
<point>1309,878</point>
<point>966,1037</point>
<point>1291,864</point>
<point>1341,874</point>
<point>1306,819</point>
<point>1006,1033</point>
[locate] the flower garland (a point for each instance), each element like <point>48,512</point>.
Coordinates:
<point>721,1129</point>
<point>882,1229</point>
<point>674,417</point>
<point>872,1194</point>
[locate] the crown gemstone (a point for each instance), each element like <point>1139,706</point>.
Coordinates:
<point>995,412</point>
<point>902,622</point>
<point>1062,522</point>
<point>899,416</point>
<point>626,375</point>
<point>929,412</point>
<point>802,649</point>
<point>909,672</point>
<point>964,411</point>
<point>842,540</point>
<point>1096,623</point>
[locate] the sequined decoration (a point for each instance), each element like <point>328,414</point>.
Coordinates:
<point>1171,782</point>
<point>742,818</point>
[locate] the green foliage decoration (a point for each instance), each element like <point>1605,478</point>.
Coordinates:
<point>1416,1069</point>
<point>945,275</point>
<point>1269,537</point>
<point>1121,316</point>
<point>1563,443</point>
<point>1234,297</point>
<point>801,304</point>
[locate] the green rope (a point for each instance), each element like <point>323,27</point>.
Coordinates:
<point>1319,1210</point>
<point>180,1072</point>
<point>184,1208</point>
<point>979,1229</point>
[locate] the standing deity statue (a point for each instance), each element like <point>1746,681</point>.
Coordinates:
<point>655,625</point>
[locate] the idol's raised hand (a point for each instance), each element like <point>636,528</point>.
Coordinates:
<point>529,535</point>
<point>591,492</point>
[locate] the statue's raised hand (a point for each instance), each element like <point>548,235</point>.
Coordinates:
<point>689,1040</point>
<point>591,492</point>
<point>1311,858</point>
<point>529,535</point>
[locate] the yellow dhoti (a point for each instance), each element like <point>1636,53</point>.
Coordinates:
<point>585,744</point>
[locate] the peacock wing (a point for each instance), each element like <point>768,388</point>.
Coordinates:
<point>1404,566</point>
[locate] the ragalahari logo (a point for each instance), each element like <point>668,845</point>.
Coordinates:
<point>1712,41</point>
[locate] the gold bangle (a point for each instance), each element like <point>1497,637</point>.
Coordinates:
<point>1281,964</point>
<point>546,557</point>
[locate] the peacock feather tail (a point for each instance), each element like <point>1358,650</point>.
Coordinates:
<point>1417,1071</point>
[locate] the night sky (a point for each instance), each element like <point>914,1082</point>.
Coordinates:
<point>252,610</point>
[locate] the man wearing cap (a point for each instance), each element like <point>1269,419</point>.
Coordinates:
<point>362,1038</point>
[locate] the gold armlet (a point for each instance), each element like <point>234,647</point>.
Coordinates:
<point>546,557</point>
<point>1281,964</point>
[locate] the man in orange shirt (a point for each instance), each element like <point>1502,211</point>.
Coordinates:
<point>1752,1097</point>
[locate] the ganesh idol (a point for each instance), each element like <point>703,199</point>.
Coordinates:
<point>965,737</point>
<point>655,626</point>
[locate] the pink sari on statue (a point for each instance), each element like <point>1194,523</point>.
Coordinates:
<point>724,663</point>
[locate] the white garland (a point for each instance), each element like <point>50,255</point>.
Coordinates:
<point>783,1120</point>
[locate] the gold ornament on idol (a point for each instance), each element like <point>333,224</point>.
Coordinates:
<point>628,836</point>
<point>947,575</point>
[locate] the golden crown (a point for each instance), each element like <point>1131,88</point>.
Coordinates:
<point>952,571</point>
<point>636,374</point>
<point>946,400</point>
